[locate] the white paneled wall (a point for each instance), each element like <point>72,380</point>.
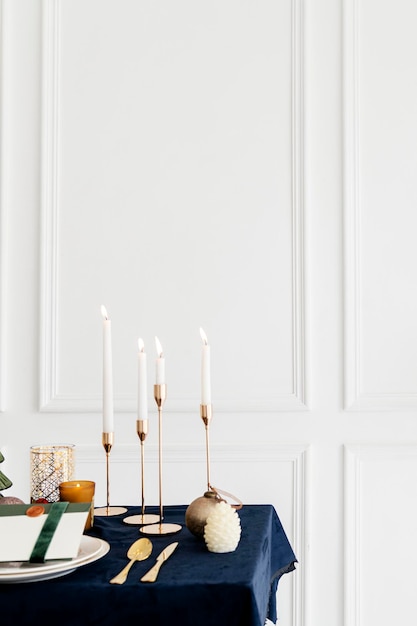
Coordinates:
<point>246,167</point>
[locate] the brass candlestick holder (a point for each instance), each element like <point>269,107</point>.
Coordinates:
<point>104,511</point>
<point>160,529</point>
<point>148,518</point>
<point>199,510</point>
<point>206,413</point>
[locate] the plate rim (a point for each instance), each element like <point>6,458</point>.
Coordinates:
<point>64,566</point>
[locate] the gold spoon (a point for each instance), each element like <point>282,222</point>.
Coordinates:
<point>138,551</point>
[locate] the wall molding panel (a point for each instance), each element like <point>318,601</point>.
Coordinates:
<point>351,207</point>
<point>52,399</point>
<point>2,238</point>
<point>49,202</point>
<point>362,462</point>
<point>356,399</point>
<point>300,399</point>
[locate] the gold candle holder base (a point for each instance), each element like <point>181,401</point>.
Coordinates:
<point>161,529</point>
<point>142,520</point>
<point>107,511</point>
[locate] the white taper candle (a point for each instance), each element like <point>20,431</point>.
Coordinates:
<point>160,364</point>
<point>108,425</point>
<point>205,370</point>
<point>142,382</point>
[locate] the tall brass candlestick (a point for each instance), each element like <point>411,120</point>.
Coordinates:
<point>206,414</point>
<point>160,529</point>
<point>198,511</point>
<point>107,441</point>
<point>148,518</point>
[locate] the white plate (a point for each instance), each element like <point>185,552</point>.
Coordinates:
<point>91,549</point>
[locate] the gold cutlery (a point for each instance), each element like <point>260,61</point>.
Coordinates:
<point>152,574</point>
<point>138,551</point>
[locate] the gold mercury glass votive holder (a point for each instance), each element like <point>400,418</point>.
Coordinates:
<point>50,465</point>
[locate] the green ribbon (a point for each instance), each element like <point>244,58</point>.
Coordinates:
<point>48,530</point>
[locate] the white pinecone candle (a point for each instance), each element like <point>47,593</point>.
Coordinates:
<point>222,530</point>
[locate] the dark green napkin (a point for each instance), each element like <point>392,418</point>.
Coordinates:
<point>48,530</point>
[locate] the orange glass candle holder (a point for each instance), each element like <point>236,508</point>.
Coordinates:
<point>79,491</point>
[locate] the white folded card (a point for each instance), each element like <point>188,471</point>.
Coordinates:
<point>19,532</point>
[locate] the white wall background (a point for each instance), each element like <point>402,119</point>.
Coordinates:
<point>247,167</point>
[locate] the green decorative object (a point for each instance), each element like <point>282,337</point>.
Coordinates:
<point>5,482</point>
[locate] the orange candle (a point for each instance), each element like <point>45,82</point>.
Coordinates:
<point>79,491</point>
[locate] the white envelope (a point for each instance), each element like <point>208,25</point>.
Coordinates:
<point>19,532</point>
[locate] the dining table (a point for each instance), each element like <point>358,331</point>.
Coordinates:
<point>194,586</point>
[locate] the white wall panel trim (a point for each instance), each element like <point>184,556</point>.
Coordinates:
<point>355,456</point>
<point>300,531</point>
<point>353,460</point>
<point>351,206</point>
<point>51,399</point>
<point>190,453</point>
<point>299,291</point>
<point>296,454</point>
<point>49,200</point>
<point>3,179</point>
<point>354,398</point>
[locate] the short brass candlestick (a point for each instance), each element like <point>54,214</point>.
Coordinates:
<point>160,529</point>
<point>148,518</point>
<point>107,441</point>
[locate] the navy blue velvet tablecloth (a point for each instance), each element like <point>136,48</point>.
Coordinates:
<point>194,587</point>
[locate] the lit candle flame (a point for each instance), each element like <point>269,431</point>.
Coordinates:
<point>203,336</point>
<point>159,348</point>
<point>141,345</point>
<point>104,312</point>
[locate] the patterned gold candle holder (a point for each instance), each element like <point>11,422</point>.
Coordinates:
<point>161,528</point>
<point>143,518</point>
<point>107,511</point>
<point>50,465</point>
